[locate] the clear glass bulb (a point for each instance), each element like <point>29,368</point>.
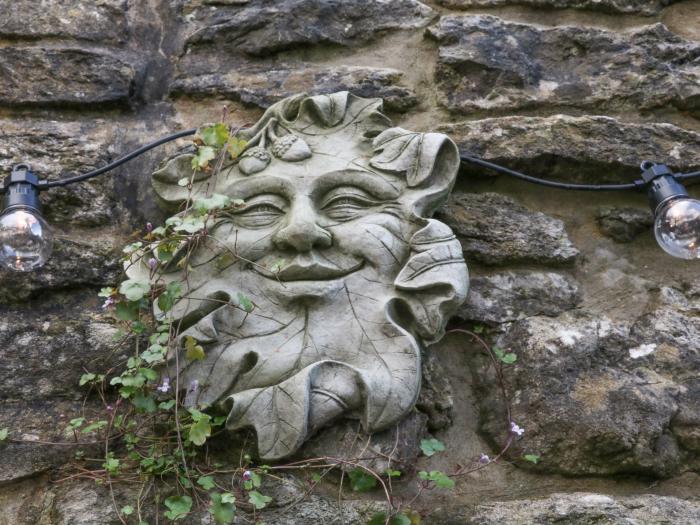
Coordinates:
<point>25,240</point>
<point>677,228</point>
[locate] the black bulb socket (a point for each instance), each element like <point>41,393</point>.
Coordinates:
<point>21,189</point>
<point>662,186</point>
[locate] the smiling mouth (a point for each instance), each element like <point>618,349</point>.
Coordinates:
<point>313,270</point>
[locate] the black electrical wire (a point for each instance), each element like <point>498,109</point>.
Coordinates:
<point>116,163</point>
<point>638,184</point>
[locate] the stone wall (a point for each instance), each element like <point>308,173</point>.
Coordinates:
<point>606,327</point>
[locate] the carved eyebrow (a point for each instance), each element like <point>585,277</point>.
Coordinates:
<point>371,182</point>
<point>245,188</point>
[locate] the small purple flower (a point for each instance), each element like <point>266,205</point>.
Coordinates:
<point>515,429</point>
<point>484,459</point>
<point>109,408</point>
<point>164,386</point>
<point>194,387</point>
<point>247,475</point>
<point>149,227</point>
<point>152,263</point>
<point>108,302</point>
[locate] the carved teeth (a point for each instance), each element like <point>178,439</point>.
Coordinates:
<point>291,148</point>
<point>254,160</point>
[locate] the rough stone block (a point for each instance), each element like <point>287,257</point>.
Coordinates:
<point>98,21</point>
<point>486,63</point>
<point>263,86</point>
<point>261,27</point>
<point>590,149</point>
<point>57,149</point>
<point>513,235</point>
<point>640,7</point>
<point>623,224</point>
<point>600,397</point>
<point>92,262</point>
<point>49,76</point>
<point>579,508</point>
<point>509,296</point>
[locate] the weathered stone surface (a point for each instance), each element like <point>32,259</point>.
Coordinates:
<point>262,27</point>
<point>57,149</point>
<point>495,229</point>
<point>603,397</point>
<point>43,357</point>
<point>263,86</point>
<point>509,296</point>
<point>641,7</point>
<point>487,63</point>
<point>435,399</point>
<point>51,76</point>
<point>33,426</point>
<point>584,509</point>
<point>577,149</point>
<point>624,224</point>
<point>397,447</point>
<point>100,21</point>
<point>73,264</point>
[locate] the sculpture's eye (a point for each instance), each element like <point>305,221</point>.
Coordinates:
<point>259,215</point>
<point>345,205</point>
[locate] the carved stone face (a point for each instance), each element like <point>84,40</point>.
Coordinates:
<point>347,275</point>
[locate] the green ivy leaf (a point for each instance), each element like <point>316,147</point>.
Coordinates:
<point>215,202</point>
<point>236,147</point>
<point>532,458</point>
<point>86,378</point>
<point>127,311</point>
<point>134,289</point>
<point>258,500</point>
<point>245,303</point>
<point>215,135</point>
<point>184,181</point>
<point>76,422</point>
<point>206,482</point>
<point>127,510</point>
<point>190,224</point>
<point>167,299</point>
<point>97,425</point>
<point>131,248</point>
<point>199,432</point>
<point>4,432</point>
<point>222,507</point>
<point>179,507</point>
<point>106,292</point>
<point>202,157</point>
<point>431,446</point>
<point>361,481</point>
<point>167,405</point>
<point>254,482</point>
<point>193,351</point>
<point>144,403</point>
<point>506,358</point>
<point>440,479</point>
<point>392,473</point>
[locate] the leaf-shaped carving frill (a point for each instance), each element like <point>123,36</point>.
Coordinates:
<point>400,151</point>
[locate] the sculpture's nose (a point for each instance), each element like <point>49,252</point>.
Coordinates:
<point>302,232</point>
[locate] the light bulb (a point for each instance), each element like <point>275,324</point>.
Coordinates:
<point>25,239</point>
<point>677,227</point>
